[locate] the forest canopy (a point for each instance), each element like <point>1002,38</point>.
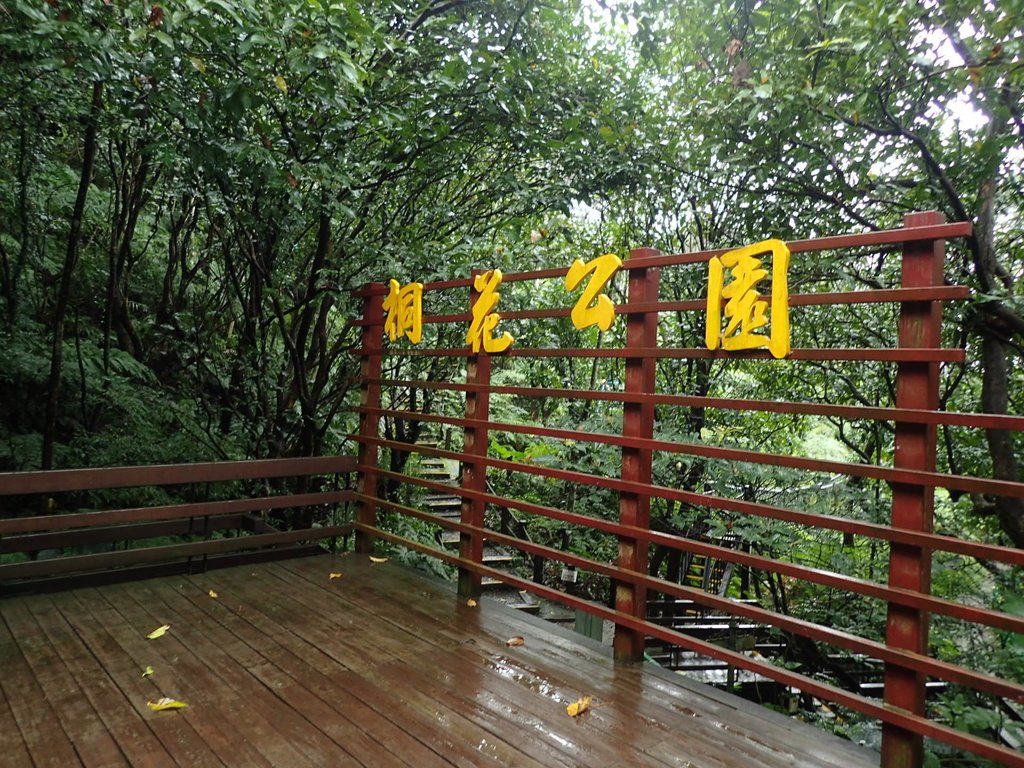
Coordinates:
<point>190,192</point>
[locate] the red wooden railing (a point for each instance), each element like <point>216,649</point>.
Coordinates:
<point>912,477</point>
<point>203,534</point>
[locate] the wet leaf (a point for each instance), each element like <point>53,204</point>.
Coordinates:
<point>158,632</point>
<point>333,575</point>
<point>212,594</point>
<point>579,706</point>
<point>147,671</point>
<point>378,559</point>
<point>165,703</point>
<point>513,641</point>
<point>471,603</point>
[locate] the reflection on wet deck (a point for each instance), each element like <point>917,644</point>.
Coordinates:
<point>287,666</point>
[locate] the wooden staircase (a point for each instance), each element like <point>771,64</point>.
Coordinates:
<point>448,506</point>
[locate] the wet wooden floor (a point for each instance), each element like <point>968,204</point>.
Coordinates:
<point>380,667</point>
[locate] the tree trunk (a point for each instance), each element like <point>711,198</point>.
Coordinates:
<point>64,293</point>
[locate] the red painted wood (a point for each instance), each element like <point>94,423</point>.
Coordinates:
<point>965,483</point>
<point>369,422</point>
<point>917,386</point>
<point>474,472</point>
<point>916,416</point>
<point>637,422</point>
<point>936,355</point>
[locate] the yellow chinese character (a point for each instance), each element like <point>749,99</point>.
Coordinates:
<point>404,306</point>
<point>602,313</point>
<point>481,330</point>
<point>744,308</point>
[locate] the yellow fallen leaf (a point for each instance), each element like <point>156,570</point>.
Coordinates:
<point>158,632</point>
<point>334,575</point>
<point>281,83</point>
<point>579,706</point>
<point>517,640</point>
<point>212,594</point>
<point>471,603</point>
<point>165,703</point>
<point>147,671</point>
<point>378,559</point>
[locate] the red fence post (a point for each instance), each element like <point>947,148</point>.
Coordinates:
<point>917,386</point>
<point>474,474</point>
<point>637,421</point>
<point>370,352</point>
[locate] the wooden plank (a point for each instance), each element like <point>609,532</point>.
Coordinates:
<point>12,746</point>
<point>74,711</point>
<point>123,651</point>
<point>56,480</point>
<point>33,713</point>
<point>167,552</point>
<point>595,743</point>
<point>253,676</point>
<point>226,695</point>
<point>498,693</point>
<point>124,723</point>
<point>665,696</point>
<point>338,654</point>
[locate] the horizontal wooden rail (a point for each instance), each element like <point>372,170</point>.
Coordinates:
<point>54,481</point>
<point>884,355</point>
<point>845,298</point>
<point>73,520</point>
<point>828,410</point>
<point>874,472</point>
<point>899,236</point>
<point>107,560</point>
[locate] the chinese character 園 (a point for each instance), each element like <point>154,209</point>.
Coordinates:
<point>404,306</point>
<point>485,319</point>
<point>745,310</point>
<point>587,311</point>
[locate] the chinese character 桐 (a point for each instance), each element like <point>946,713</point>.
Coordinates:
<point>481,330</point>
<point>404,306</point>
<point>602,313</point>
<point>745,310</point>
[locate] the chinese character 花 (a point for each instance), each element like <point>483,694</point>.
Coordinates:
<point>481,330</point>
<point>745,311</point>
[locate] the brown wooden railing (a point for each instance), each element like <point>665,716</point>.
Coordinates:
<point>911,477</point>
<point>203,534</point>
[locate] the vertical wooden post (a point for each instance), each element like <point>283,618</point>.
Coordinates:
<point>474,474</point>
<point>370,352</point>
<point>637,421</point>
<point>917,386</point>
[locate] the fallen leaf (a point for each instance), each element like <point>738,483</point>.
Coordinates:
<point>471,603</point>
<point>579,706</point>
<point>212,594</point>
<point>158,632</point>
<point>517,640</point>
<point>165,703</point>
<point>334,575</point>
<point>147,671</point>
<point>378,559</point>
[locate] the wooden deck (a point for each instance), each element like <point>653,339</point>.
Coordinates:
<point>381,667</point>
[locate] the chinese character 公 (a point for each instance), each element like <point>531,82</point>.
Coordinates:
<point>745,310</point>
<point>602,313</point>
<point>404,306</point>
<point>481,330</point>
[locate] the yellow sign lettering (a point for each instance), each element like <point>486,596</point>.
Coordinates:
<point>593,307</point>
<point>745,310</point>
<point>485,319</point>
<point>404,306</point>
